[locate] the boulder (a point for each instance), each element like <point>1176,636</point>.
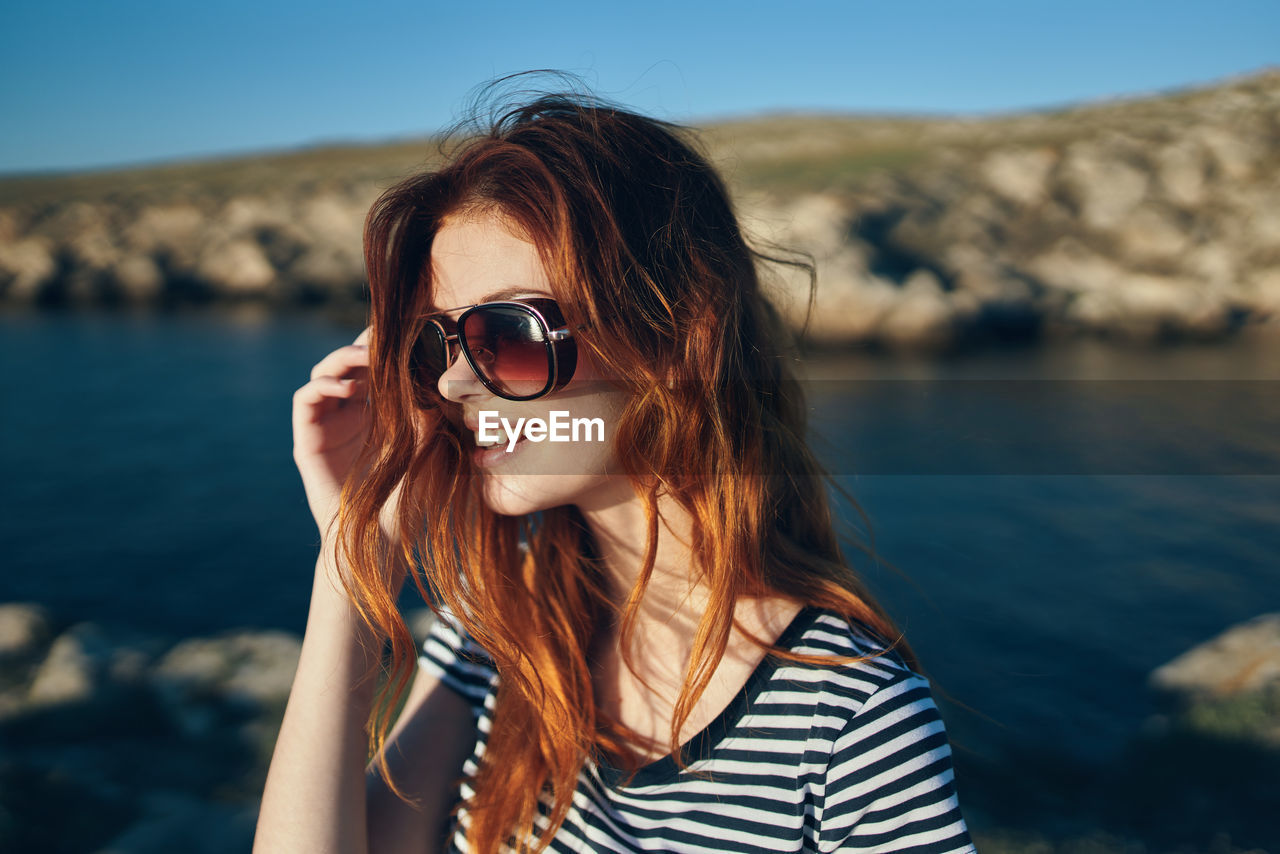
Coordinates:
<point>1020,175</point>
<point>1151,234</point>
<point>236,268</point>
<point>85,658</point>
<point>921,317</point>
<point>27,269</point>
<point>1227,690</point>
<point>1262,293</point>
<point>1233,155</point>
<point>203,682</point>
<point>24,630</point>
<point>75,669</point>
<point>1181,173</point>
<point>138,277</point>
<point>1104,187</point>
<point>1071,266</point>
<point>327,268</point>
<point>1243,659</point>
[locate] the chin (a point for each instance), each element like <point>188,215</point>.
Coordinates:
<point>519,495</point>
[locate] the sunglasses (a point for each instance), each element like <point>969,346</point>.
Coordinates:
<point>519,349</point>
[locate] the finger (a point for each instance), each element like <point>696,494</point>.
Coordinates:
<point>325,388</point>
<point>341,361</point>
<point>363,338</point>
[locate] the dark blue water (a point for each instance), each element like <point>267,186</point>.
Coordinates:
<point>1057,548</point>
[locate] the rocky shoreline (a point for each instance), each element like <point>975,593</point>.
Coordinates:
<point>158,744</point>
<point>162,744</point>
<point>1151,219</point>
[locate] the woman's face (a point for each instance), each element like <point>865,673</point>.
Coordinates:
<point>477,258</point>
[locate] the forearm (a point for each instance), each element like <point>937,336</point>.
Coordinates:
<point>314,799</point>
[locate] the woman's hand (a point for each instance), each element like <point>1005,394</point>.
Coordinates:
<point>331,426</point>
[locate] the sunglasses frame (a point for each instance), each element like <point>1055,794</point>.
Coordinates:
<point>561,349</point>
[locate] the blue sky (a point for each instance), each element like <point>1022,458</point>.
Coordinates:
<point>87,84</point>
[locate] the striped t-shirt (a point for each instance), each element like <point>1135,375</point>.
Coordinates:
<point>804,758</point>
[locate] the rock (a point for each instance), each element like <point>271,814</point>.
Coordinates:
<point>138,277</point>
<point>1151,234</point>
<point>1181,171</point>
<point>819,224</point>
<point>75,668</point>
<point>1233,155</point>
<point>172,235</point>
<point>90,664</point>
<point>1072,266</point>
<point>851,308</point>
<point>237,268</point>
<point>335,221</point>
<point>1226,690</point>
<point>90,732</point>
<point>1148,308</point>
<point>12,224</point>
<point>1262,293</point>
<point>327,268</point>
<point>202,681</point>
<point>69,221</point>
<point>1254,230</point>
<point>24,635</point>
<point>1243,659</point>
<point>1020,175</point>
<point>1104,188</point>
<point>165,227</point>
<point>1085,218</point>
<point>1213,265</point>
<point>245,214</point>
<point>922,317</point>
<point>24,630</point>
<point>91,684</point>
<point>816,223</point>
<point>27,269</point>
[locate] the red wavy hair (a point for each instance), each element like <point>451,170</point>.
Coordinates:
<point>642,247</point>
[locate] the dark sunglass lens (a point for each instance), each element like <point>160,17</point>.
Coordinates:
<point>430,354</point>
<point>509,348</point>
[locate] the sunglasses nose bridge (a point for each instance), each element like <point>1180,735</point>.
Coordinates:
<point>459,377</point>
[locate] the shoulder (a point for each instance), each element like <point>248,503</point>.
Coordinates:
<point>888,778</point>
<point>858,663</point>
<point>871,712</point>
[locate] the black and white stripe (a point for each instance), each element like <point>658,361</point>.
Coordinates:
<point>805,758</point>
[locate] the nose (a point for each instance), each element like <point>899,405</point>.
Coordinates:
<point>458,380</point>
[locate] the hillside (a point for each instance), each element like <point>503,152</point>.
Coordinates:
<point>1150,218</point>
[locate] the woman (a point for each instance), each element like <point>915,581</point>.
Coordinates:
<point>648,636</point>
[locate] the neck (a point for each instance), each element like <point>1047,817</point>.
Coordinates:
<point>622,534</point>
<point>640,688</point>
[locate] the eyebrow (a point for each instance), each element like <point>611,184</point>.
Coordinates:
<point>501,294</point>
<point>508,293</point>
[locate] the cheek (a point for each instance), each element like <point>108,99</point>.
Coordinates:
<point>550,474</point>
<point>547,473</point>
